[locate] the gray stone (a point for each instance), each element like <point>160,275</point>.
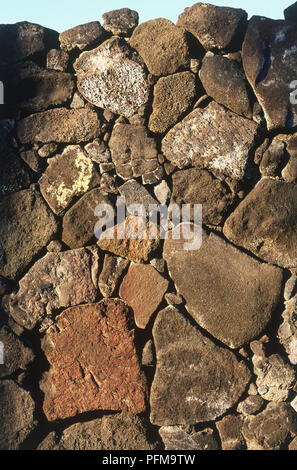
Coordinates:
<point>111,274</point>
<point>177,438</point>
<point>134,193</point>
<point>162,192</point>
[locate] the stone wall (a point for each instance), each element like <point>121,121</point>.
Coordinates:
<point>139,343</point>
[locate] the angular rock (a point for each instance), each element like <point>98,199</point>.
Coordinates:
<point>31,158</point>
<point>113,77</point>
<point>23,40</point>
<point>68,176</point>
<point>271,429</point>
<point>265,223</point>
<point>77,101</point>
<point>27,225</point>
<point>77,382</point>
<point>162,45</point>
<point>15,175</point>
<point>79,221</point>
<point>16,415</point>
<point>289,173</point>
<point>290,287</point>
<point>216,28</point>
<point>290,13</point>
<point>212,138</point>
<point>148,356</point>
<point>176,438</point>
<point>56,281</point>
<point>82,36</point>
<point>134,193</point>
<point>230,430</point>
<point>47,150</point>
<point>110,276</point>
<point>293,444</point>
<point>287,332</point>
<point>196,186</point>
<point>173,97</point>
<point>57,60</point>
<point>273,158</point>
<point>251,405</point>
<point>143,288</point>
<point>133,152</point>
<point>162,192</point>
<point>16,354</point>
<point>195,381</point>
<point>269,60</point>
<point>173,299</point>
<point>220,77</point>
<point>228,293</point>
<point>120,22</point>
<point>98,151</point>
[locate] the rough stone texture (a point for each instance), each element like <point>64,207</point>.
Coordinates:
<point>47,150</point>
<point>27,225</point>
<point>55,281</point>
<point>119,432</point>
<point>273,158</point>
<point>148,356</point>
<point>227,292</point>
<point>287,332</point>
<point>290,13</point>
<point>265,223</point>
<point>16,415</point>
<point>290,287</point>
<point>216,28</point>
<point>162,45</point>
<point>57,60</point>
<point>79,221</point>
<point>112,76</point>
<point>77,382</point>
<point>177,438</point>
<point>98,151</point>
<point>173,97</point>
<point>196,186</point>
<point>120,22</point>
<point>251,405</point>
<point>293,444</point>
<point>111,274</point>
<point>135,193</point>
<point>23,40</point>
<point>143,288</point>
<point>230,430</point>
<point>16,354</point>
<point>15,175</point>
<point>59,125</point>
<point>195,381</point>
<point>82,36</point>
<point>269,60</point>
<point>214,138</point>
<point>31,158</point>
<point>271,429</point>
<point>220,77</point>
<point>68,176</point>
<point>133,152</point>
<point>162,192</point>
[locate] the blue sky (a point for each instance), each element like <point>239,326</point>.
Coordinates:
<point>64,14</point>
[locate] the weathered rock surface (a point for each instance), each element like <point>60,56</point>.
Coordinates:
<point>110,276</point>
<point>143,288</point>
<point>162,45</point>
<point>287,332</point>
<point>16,354</point>
<point>176,438</point>
<point>228,293</point>
<point>251,405</point>
<point>162,192</point>
<point>27,225</point>
<point>148,356</point>
<point>230,430</point>
<point>173,97</point>
<point>195,381</point>
<point>82,36</point>
<point>55,281</point>
<point>220,77</point>
<point>120,22</point>
<point>273,158</point>
<point>98,151</point>
<point>77,382</point>
<point>16,415</point>
<point>112,76</point>
<point>68,176</point>
<point>79,221</point>
<point>15,175</point>
<point>290,13</point>
<point>23,40</point>
<point>271,429</point>
<point>57,60</point>
<point>216,28</point>
<point>59,125</point>
<point>133,152</point>
<point>213,138</point>
<point>135,193</point>
<point>265,223</point>
<point>196,186</point>
<point>269,60</point>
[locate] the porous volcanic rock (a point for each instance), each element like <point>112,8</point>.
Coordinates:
<point>216,28</point>
<point>16,354</point>
<point>265,223</point>
<point>113,77</point>
<point>177,438</point>
<point>195,380</point>
<point>69,175</point>
<point>82,36</point>
<point>230,294</point>
<point>77,382</point>
<point>162,45</point>
<point>27,226</point>
<point>120,22</point>
<point>212,138</point>
<point>57,60</point>
<point>269,60</point>
<point>143,288</point>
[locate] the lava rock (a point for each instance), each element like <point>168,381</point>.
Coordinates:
<point>82,36</point>
<point>120,22</point>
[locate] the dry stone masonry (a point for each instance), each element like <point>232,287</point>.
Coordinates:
<point>126,343</point>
